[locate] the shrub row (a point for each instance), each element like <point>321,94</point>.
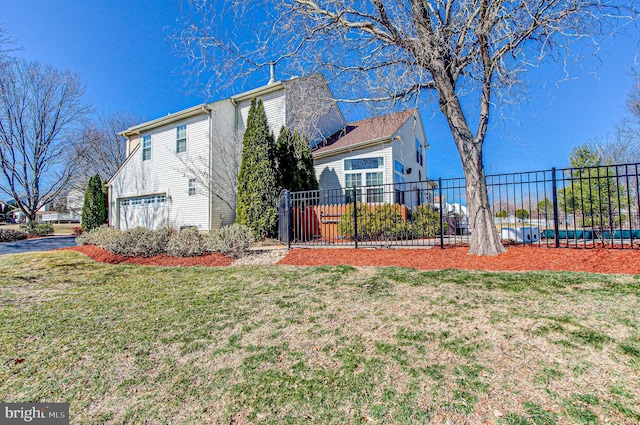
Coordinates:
<point>37,229</point>
<point>8,235</point>
<point>386,222</point>
<point>232,240</point>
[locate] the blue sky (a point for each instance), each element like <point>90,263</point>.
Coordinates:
<point>121,52</point>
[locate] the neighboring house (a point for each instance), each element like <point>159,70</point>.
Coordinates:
<point>171,176</point>
<point>168,179</point>
<point>385,150</point>
<point>75,200</point>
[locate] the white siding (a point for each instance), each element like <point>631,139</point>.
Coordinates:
<point>166,173</point>
<point>404,150</point>
<point>226,144</point>
<point>330,171</point>
<point>274,107</point>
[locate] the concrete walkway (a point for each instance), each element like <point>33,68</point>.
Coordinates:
<point>39,244</point>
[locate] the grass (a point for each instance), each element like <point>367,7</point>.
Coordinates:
<point>131,344</point>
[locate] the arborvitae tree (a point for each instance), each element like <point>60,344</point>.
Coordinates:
<point>285,152</point>
<point>94,210</point>
<point>295,161</point>
<point>305,172</point>
<point>258,179</point>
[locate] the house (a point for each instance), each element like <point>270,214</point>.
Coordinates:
<point>181,169</point>
<point>379,151</point>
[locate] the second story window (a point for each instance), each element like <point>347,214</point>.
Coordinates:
<point>146,148</point>
<point>181,139</point>
<point>419,155</point>
<point>192,187</point>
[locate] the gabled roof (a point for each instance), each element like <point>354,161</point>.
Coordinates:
<point>365,131</point>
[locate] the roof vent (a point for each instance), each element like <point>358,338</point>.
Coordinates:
<point>272,72</point>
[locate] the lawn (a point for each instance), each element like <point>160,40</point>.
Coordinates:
<point>284,344</point>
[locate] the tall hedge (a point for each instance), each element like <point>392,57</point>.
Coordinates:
<point>258,178</point>
<point>94,210</point>
<point>295,161</point>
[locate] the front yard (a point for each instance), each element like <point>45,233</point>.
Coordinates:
<point>284,344</point>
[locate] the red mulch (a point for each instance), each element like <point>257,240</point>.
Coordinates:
<point>517,258</point>
<point>104,256</point>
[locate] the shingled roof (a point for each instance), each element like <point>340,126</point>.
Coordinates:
<point>360,132</point>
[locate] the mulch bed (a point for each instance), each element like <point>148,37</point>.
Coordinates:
<point>104,256</point>
<point>517,258</point>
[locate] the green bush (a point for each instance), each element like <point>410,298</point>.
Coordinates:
<point>139,241</point>
<point>100,236</point>
<point>37,229</point>
<point>384,222</point>
<point>426,222</point>
<point>231,240</point>
<point>186,243</point>
<point>9,235</point>
<point>346,223</point>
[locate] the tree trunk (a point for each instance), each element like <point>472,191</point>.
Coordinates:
<point>484,235</point>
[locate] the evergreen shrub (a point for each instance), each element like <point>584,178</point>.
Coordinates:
<point>100,236</point>
<point>10,235</point>
<point>186,243</point>
<point>232,240</point>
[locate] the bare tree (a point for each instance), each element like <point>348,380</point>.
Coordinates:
<point>100,149</point>
<point>40,107</point>
<point>216,172</point>
<point>6,41</point>
<point>623,145</point>
<point>466,54</point>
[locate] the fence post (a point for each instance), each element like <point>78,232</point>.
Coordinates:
<point>554,196</point>
<point>355,217</point>
<point>287,209</point>
<point>440,211</point>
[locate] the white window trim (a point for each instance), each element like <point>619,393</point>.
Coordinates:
<point>144,148</point>
<point>186,144</point>
<point>362,189</point>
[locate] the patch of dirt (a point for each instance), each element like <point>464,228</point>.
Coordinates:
<point>104,256</point>
<point>517,258</point>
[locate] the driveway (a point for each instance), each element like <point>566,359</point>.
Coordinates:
<point>38,244</point>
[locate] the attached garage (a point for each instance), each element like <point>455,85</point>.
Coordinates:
<point>144,211</point>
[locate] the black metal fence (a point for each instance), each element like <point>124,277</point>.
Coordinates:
<point>572,207</point>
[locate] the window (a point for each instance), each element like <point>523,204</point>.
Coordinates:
<point>362,173</point>
<point>375,194</point>
<point>419,155</point>
<point>192,187</point>
<point>351,181</point>
<point>145,200</point>
<point>181,139</point>
<point>146,148</point>
<point>363,163</point>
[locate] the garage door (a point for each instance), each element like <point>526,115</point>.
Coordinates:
<point>144,211</point>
